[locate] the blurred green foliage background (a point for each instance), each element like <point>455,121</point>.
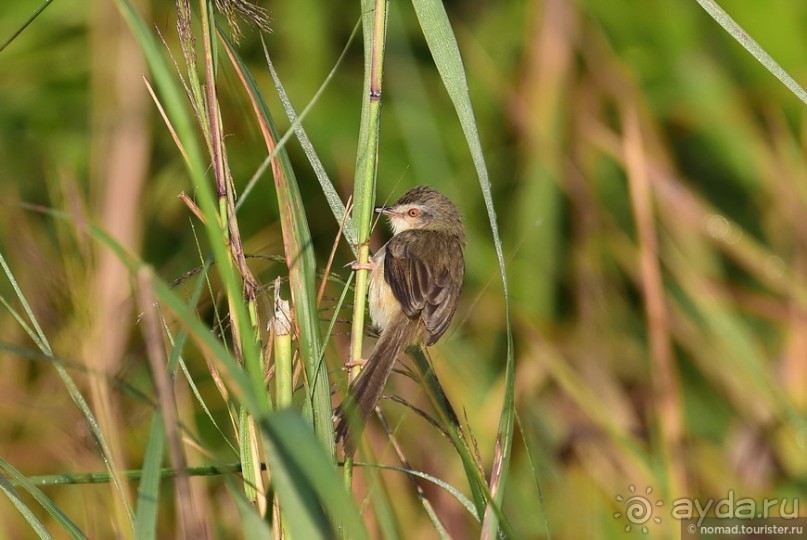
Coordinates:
<point>649,178</point>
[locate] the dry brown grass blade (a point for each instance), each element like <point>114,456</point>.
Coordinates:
<point>681,204</point>
<point>121,147</point>
<point>164,116</point>
<point>192,523</point>
<point>192,206</point>
<point>327,271</point>
<point>664,375</point>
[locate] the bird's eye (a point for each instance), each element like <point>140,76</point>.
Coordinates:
<point>413,212</point>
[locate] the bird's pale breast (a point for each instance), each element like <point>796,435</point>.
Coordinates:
<point>382,302</point>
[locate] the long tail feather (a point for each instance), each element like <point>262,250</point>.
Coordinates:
<point>365,392</point>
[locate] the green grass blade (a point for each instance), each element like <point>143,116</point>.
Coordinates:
<point>447,414</point>
<point>451,490</point>
<point>29,516</point>
<point>67,380</point>
<point>299,258</point>
<point>148,491</point>
<point>331,195</point>
<point>253,525</point>
<point>30,19</point>
<point>741,36</point>
<point>443,46</point>
<point>479,489</point>
<point>20,479</point>
<point>306,481</point>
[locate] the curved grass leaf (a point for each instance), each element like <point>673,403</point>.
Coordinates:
<point>480,490</point>
<point>29,516</point>
<point>20,479</point>
<point>446,54</point>
<point>454,492</point>
<point>736,31</point>
<point>331,195</point>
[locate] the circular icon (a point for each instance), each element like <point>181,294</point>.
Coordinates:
<point>638,509</point>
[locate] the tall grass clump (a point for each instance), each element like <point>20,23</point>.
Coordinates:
<point>283,447</point>
<point>186,183</point>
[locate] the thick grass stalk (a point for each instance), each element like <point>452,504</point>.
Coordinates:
<point>175,107</point>
<point>374,28</point>
<point>226,203</point>
<point>281,326</point>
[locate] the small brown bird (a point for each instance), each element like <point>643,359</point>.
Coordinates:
<point>415,282</point>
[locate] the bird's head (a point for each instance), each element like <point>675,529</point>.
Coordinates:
<point>424,208</point>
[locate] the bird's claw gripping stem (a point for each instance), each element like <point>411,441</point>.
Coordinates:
<point>369,265</point>
<point>359,362</point>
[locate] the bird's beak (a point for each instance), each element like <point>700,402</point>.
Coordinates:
<point>386,210</point>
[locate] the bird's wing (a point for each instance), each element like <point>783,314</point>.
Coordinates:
<point>425,271</point>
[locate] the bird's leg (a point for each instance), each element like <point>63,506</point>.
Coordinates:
<point>369,265</point>
<point>359,362</point>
